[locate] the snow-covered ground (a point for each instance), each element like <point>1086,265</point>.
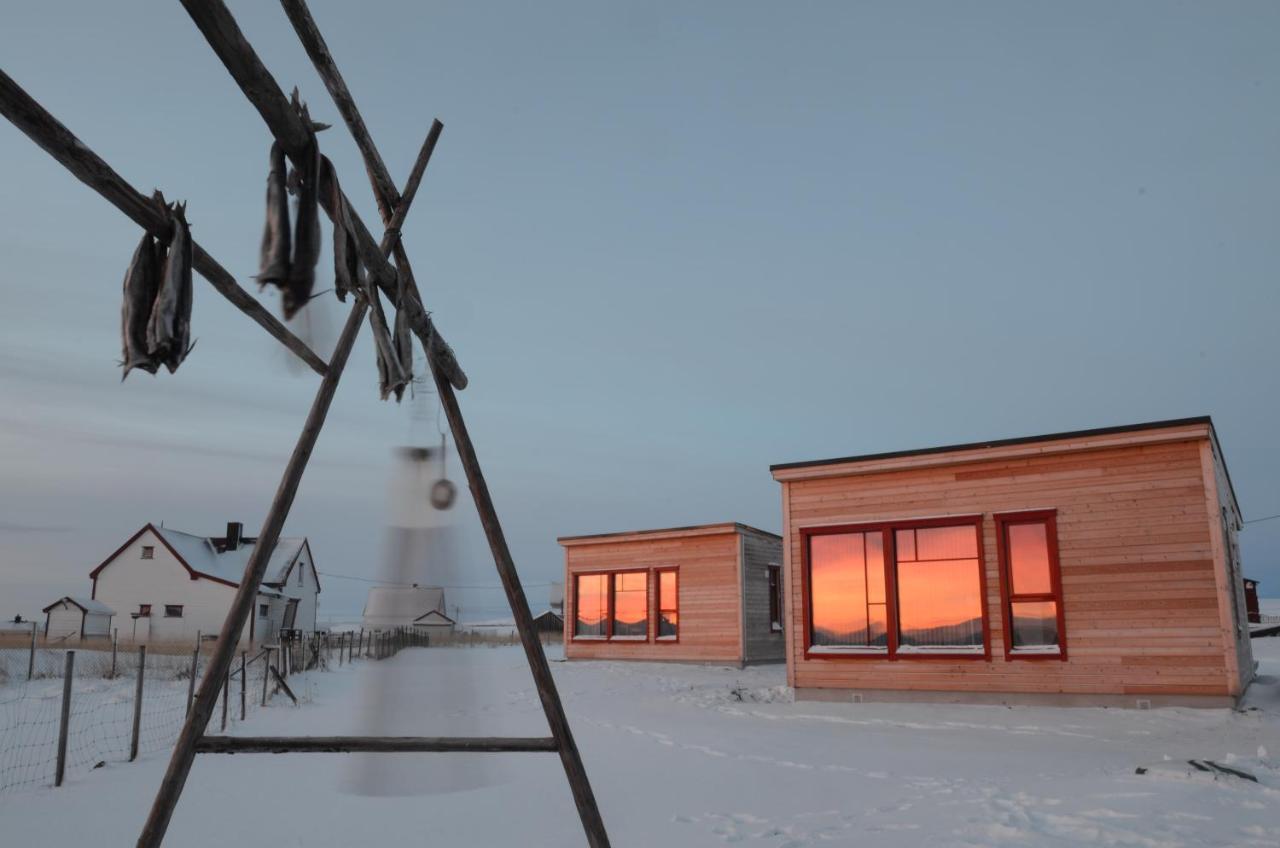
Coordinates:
<point>689,756</point>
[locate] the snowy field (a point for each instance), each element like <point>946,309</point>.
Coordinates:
<point>687,756</point>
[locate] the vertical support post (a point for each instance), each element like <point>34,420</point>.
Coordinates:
<point>226,693</point>
<point>244,684</point>
<point>115,640</point>
<point>191,683</point>
<point>64,723</point>
<point>266,666</point>
<point>31,658</point>
<point>137,705</point>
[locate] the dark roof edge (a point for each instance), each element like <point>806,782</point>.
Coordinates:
<point>999,443</point>
<point>729,527</point>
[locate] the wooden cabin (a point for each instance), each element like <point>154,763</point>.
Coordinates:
<point>709,594</point>
<point>1096,567</point>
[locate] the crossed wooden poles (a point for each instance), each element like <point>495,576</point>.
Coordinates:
<point>219,28</point>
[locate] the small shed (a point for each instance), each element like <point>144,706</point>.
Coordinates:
<point>709,593</point>
<point>70,619</point>
<point>434,623</point>
<point>1252,610</point>
<point>548,621</point>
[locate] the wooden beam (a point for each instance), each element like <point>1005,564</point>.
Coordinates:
<point>175,776</point>
<point>74,155</point>
<point>219,28</point>
<point>370,744</point>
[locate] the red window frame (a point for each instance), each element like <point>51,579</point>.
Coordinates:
<point>1048,517</point>
<point>144,610</point>
<point>775,599</point>
<point>659,608</point>
<point>609,607</point>
<point>889,528</point>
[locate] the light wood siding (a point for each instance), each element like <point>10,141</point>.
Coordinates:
<point>759,551</point>
<point>1140,589</point>
<point>708,595</point>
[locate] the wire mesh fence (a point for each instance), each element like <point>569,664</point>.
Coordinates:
<point>104,703</point>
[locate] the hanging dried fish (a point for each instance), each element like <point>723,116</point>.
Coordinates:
<point>169,329</point>
<point>306,238</point>
<point>346,262</point>
<point>141,282</point>
<point>391,376</point>
<point>404,349</point>
<point>273,267</point>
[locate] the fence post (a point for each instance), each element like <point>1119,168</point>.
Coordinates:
<point>137,704</point>
<point>115,641</point>
<point>226,693</point>
<point>266,664</point>
<point>31,659</point>
<point>244,684</point>
<point>342,643</point>
<point>191,684</point>
<point>65,722</point>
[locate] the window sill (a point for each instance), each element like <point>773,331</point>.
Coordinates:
<point>589,639</point>
<point>667,639</point>
<point>644,638</point>
<point>941,651</point>
<point>838,650</point>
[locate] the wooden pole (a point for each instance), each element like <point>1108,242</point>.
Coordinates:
<point>64,723</point>
<point>184,750</point>
<point>191,683</point>
<point>31,657</point>
<point>137,705</point>
<point>244,685</point>
<point>219,28</point>
<point>226,693</point>
<point>378,744</point>
<point>115,640</point>
<point>266,663</point>
<point>60,143</point>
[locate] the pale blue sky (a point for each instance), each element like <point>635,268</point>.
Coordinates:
<point>671,244</point>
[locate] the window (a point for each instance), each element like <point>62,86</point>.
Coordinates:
<point>591,606</point>
<point>301,566</point>
<point>144,610</point>
<point>1031,585</point>
<point>264,610</point>
<point>775,598</point>
<point>897,589</point>
<point>630,605</point>
<point>668,605</point>
<point>148,551</point>
<point>612,606</point>
<point>173,610</point>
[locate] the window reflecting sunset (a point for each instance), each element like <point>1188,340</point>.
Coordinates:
<point>668,601</point>
<point>847,586</point>
<point>1029,559</point>
<point>591,602</point>
<point>1035,624</point>
<point>631,604</point>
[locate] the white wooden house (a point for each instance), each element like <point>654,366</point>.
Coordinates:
<point>389,607</point>
<point>174,585</point>
<point>70,619</point>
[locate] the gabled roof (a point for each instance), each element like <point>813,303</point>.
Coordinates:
<point>202,558</point>
<point>86,604</point>
<point>434,617</point>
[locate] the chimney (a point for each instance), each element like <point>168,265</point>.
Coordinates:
<point>234,531</point>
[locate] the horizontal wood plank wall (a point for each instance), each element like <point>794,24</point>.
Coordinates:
<point>1139,591</point>
<point>708,590</point>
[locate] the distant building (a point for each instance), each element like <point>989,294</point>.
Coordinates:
<point>548,622</point>
<point>71,619</point>
<point>389,607</point>
<point>173,585</point>
<point>434,623</point>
